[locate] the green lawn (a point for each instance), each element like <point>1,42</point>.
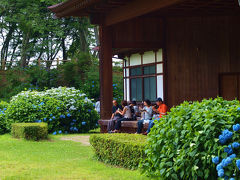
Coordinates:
<point>55,159</point>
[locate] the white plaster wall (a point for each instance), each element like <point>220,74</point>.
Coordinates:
<point>124,85</point>
<point>159,56</point>
<point>160,86</point>
<point>135,59</point>
<point>127,72</point>
<point>128,89</point>
<point>159,68</point>
<point>149,57</point>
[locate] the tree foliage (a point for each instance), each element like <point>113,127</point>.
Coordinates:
<point>30,31</point>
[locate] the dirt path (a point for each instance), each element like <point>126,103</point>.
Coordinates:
<point>82,139</point>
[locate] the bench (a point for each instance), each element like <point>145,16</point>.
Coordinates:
<point>126,127</point>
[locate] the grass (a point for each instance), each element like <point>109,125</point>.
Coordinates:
<point>55,159</point>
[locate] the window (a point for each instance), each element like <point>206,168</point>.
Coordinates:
<point>143,83</point>
<point>150,88</point>
<point>136,89</point>
<point>136,71</point>
<point>149,70</point>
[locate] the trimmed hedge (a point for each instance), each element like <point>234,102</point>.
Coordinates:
<point>126,150</point>
<point>30,131</point>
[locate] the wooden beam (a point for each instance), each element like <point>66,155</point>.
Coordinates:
<point>106,89</point>
<point>137,44</point>
<point>136,8</point>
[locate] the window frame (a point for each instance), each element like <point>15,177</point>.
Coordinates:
<point>142,76</point>
<point>127,76</point>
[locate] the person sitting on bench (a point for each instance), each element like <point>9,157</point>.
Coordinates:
<point>161,111</point>
<point>135,110</point>
<point>127,116</point>
<point>115,116</point>
<point>146,115</point>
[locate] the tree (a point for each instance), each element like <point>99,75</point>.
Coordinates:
<point>30,31</point>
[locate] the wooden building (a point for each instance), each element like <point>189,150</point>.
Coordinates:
<point>176,49</point>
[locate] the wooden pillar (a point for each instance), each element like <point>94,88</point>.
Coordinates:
<point>106,89</point>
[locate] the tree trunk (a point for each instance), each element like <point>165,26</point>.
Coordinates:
<point>83,31</point>
<point>4,50</point>
<point>25,42</point>
<point>64,52</point>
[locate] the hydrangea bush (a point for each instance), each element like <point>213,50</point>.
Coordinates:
<point>66,110</point>
<point>227,160</point>
<point>3,108</point>
<point>181,145</point>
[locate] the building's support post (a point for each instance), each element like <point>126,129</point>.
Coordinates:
<point>106,89</point>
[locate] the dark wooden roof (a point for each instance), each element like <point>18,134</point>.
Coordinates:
<point>85,7</point>
<point>111,12</point>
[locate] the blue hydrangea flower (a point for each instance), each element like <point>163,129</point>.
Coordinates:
<point>60,132</point>
<point>75,129</point>
<point>54,117</point>
<point>68,115</point>
<point>58,107</point>
<point>92,81</point>
<point>228,150</point>
<point>54,133</point>
<point>233,156</point>
<point>74,120</point>
<point>92,85</point>
<point>62,116</point>
<point>235,145</point>
<point>236,127</point>
<point>89,110</point>
<point>4,109</point>
<point>221,173</point>
<point>232,179</point>
<point>219,166</point>
<point>238,109</point>
<point>226,162</point>
<point>45,119</point>
<point>215,160</point>
<point>51,115</point>
<point>238,163</point>
<point>84,123</point>
<point>226,135</point>
<point>50,119</point>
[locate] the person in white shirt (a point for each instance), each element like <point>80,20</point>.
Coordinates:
<point>147,113</point>
<point>97,106</point>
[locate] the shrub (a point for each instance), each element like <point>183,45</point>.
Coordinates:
<point>3,105</point>
<point>181,145</point>
<point>30,131</point>
<point>227,159</point>
<point>3,108</point>
<point>66,110</point>
<point>125,150</point>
